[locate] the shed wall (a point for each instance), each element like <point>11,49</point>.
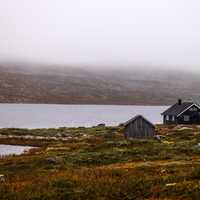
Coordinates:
<point>139,128</point>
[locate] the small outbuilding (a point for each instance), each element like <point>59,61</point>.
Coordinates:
<point>139,127</point>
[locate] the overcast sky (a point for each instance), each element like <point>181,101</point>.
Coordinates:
<point>102,32</point>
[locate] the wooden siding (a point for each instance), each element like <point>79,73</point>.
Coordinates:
<point>139,128</point>
<point>170,121</point>
<point>193,115</point>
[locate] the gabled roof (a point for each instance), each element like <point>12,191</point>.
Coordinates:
<point>135,118</point>
<point>178,109</point>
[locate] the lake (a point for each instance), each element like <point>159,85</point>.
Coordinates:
<point>6,150</point>
<point>53,116</point>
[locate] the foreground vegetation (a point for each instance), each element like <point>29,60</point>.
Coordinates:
<point>98,163</point>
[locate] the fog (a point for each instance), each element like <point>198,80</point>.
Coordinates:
<point>102,33</point>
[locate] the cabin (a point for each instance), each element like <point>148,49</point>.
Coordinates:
<point>139,127</point>
<point>182,112</point>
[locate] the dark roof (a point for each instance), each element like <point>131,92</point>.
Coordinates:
<point>176,109</point>
<point>136,117</point>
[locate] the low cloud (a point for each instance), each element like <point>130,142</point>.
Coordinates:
<point>93,33</point>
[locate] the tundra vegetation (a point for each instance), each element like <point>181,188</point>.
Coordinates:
<point>98,163</point>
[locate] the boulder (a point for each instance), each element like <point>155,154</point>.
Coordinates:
<point>101,125</point>
<point>2,178</point>
<point>52,161</point>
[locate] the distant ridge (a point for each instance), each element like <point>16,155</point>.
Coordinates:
<point>20,83</point>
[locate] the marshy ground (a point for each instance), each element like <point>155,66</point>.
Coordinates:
<point>98,163</point>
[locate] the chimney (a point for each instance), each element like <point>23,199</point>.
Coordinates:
<point>179,101</point>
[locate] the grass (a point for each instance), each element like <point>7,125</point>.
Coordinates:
<point>98,163</point>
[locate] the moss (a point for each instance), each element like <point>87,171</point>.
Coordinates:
<point>98,163</point>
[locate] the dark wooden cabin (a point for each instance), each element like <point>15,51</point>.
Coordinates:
<point>187,112</point>
<point>139,127</point>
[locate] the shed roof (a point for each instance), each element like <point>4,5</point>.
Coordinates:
<point>135,118</point>
<point>177,109</point>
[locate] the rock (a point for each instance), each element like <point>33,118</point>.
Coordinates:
<point>146,164</point>
<point>101,125</point>
<point>2,178</point>
<point>168,142</point>
<point>85,135</point>
<point>171,184</point>
<point>185,128</point>
<point>59,135</point>
<point>163,171</point>
<point>52,161</point>
<point>182,128</point>
<point>158,137</point>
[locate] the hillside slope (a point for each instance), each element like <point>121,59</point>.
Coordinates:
<point>77,86</point>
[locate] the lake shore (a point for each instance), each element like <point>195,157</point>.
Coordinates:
<point>98,163</point>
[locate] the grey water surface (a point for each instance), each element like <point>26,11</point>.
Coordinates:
<point>53,116</point>
<point>6,150</point>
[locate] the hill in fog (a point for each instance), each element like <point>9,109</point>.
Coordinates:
<point>61,85</point>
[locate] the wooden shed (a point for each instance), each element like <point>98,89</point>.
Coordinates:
<point>139,127</point>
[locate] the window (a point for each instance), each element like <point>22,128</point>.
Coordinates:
<point>167,117</point>
<point>186,118</point>
<point>173,118</point>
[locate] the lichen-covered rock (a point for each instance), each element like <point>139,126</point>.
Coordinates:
<point>2,178</point>
<point>52,161</point>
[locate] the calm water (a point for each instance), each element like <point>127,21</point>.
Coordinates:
<point>50,116</point>
<point>12,149</point>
